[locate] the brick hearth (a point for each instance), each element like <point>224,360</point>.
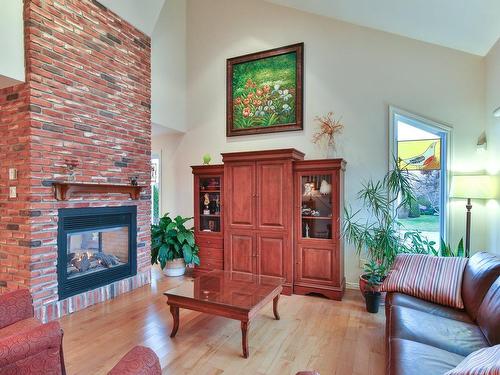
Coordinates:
<point>87,98</point>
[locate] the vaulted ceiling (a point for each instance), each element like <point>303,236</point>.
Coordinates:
<point>142,14</point>
<point>468,25</point>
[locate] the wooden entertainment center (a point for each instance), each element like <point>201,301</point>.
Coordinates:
<point>272,213</point>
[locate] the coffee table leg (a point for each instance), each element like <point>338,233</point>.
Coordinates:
<point>174,310</point>
<point>275,307</point>
<point>244,338</point>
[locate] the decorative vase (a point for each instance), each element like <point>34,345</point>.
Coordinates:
<point>325,188</point>
<point>176,267</point>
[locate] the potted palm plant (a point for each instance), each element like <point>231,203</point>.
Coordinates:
<point>173,245</point>
<point>375,230</point>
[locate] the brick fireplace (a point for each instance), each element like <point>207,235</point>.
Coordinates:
<point>83,115</point>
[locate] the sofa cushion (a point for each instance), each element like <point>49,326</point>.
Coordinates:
<point>482,362</point>
<point>434,279</point>
<point>481,271</point>
<point>18,327</point>
<point>399,299</point>
<point>458,337</point>
<point>488,315</point>
<point>414,358</point>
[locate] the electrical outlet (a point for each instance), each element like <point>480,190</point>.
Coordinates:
<point>12,192</point>
<point>12,174</point>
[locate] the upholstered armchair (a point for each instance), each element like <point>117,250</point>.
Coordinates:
<point>138,361</point>
<point>26,345</point>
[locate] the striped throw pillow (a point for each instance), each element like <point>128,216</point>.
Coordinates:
<point>434,279</point>
<point>481,362</point>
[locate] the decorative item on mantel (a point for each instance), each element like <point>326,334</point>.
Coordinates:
<point>328,129</point>
<point>133,180</point>
<point>71,165</point>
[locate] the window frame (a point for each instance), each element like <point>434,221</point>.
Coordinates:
<point>158,156</point>
<point>445,131</point>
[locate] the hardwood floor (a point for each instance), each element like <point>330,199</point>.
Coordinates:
<point>313,333</point>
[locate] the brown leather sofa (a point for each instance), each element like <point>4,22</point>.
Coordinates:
<point>426,338</point>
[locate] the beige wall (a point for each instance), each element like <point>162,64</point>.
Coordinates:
<point>492,64</point>
<point>11,43</point>
<point>168,67</point>
<point>354,71</point>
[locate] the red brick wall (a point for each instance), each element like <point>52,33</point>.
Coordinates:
<point>14,213</point>
<point>88,95</point>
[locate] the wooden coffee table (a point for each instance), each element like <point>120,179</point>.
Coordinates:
<point>232,295</point>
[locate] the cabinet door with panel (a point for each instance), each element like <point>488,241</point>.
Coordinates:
<point>274,194</point>
<point>240,192</point>
<point>273,255</point>
<point>240,254</point>
<point>318,248</point>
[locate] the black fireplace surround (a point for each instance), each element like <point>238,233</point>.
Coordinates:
<point>96,246</point>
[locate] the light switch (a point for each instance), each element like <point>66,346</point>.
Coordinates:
<point>12,174</point>
<point>12,192</point>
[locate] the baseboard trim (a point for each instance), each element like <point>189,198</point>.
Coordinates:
<point>349,285</point>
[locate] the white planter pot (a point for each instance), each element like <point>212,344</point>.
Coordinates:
<point>176,267</point>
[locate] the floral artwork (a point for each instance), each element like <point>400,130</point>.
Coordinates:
<point>265,92</point>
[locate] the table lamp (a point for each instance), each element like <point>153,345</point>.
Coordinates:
<point>473,187</point>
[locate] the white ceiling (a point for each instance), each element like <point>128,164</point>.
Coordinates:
<point>468,25</point>
<point>142,14</point>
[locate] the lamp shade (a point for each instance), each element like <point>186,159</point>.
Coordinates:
<point>475,186</point>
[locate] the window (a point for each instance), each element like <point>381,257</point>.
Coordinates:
<point>421,147</point>
<point>155,188</point>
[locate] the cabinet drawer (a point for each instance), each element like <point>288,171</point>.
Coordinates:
<point>210,263</point>
<point>216,243</point>
<point>208,252</point>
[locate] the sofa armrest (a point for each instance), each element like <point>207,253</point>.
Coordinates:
<point>28,343</point>
<point>138,361</point>
<point>15,306</point>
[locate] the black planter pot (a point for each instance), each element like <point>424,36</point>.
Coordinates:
<point>372,300</point>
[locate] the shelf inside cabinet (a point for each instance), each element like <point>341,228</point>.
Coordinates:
<point>316,218</point>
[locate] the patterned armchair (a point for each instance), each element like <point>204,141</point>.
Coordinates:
<point>26,345</point>
<point>29,347</point>
<point>138,361</point>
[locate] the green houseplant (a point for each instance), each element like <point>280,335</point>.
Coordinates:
<point>375,229</point>
<point>375,274</point>
<point>173,245</point>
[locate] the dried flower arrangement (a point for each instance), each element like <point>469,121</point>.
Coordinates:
<point>328,128</point>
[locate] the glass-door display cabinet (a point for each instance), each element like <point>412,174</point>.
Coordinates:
<point>208,215</point>
<point>318,215</point>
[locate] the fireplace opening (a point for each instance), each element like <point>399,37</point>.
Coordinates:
<point>96,246</point>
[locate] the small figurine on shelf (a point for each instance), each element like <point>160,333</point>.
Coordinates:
<point>211,225</point>
<point>217,205</point>
<point>133,180</point>
<point>206,202</point>
<point>71,165</point>
<point>325,188</point>
<point>307,231</point>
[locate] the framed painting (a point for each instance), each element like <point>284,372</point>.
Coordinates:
<point>264,91</point>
